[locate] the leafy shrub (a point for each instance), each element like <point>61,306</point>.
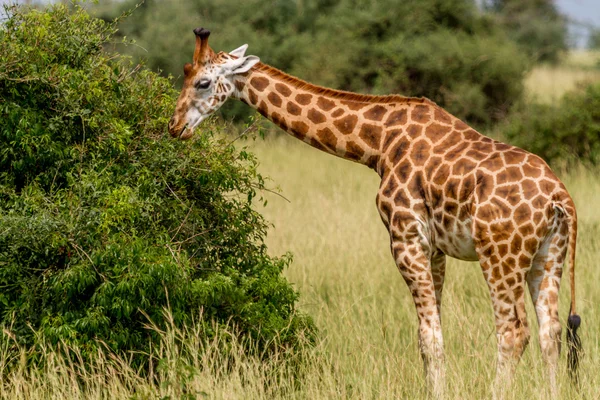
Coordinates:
<point>567,130</point>
<point>536,25</point>
<point>446,50</point>
<point>103,219</point>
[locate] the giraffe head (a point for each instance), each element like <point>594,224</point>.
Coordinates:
<point>208,83</point>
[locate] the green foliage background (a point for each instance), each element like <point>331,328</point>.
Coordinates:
<point>447,50</point>
<point>103,219</point>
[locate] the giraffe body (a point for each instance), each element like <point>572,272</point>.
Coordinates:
<point>446,190</point>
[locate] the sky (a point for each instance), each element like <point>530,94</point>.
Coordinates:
<point>580,12</point>
<point>586,12</point>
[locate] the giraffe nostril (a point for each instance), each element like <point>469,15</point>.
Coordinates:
<point>171,122</point>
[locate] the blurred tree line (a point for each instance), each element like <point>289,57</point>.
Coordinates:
<point>469,59</point>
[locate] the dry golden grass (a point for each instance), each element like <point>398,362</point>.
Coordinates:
<point>547,83</point>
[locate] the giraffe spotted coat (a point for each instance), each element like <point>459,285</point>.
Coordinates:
<point>446,190</point>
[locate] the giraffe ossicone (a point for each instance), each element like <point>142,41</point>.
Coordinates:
<point>446,190</point>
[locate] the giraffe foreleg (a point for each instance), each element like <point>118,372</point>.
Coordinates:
<point>438,272</point>
<point>415,267</point>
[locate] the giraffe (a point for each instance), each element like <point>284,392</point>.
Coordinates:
<point>446,190</point>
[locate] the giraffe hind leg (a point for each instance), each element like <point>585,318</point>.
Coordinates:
<point>544,284</point>
<point>505,276</point>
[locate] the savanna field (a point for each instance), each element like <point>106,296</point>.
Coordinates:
<point>322,211</point>
<point>253,266</point>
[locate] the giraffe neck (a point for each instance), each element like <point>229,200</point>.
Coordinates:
<point>345,124</point>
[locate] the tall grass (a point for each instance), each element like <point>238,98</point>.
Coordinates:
<point>547,83</point>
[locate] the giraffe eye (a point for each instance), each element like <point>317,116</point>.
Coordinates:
<point>202,84</point>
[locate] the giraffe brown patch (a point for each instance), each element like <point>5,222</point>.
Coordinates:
<point>299,129</point>
<point>531,171</point>
<point>436,132</point>
<point>496,273</point>
<point>239,85</point>
<point>508,266</point>
<point>283,89</point>
<point>503,249</point>
<point>252,97</point>
<point>372,162</point>
<point>442,174</point>
<point>293,108</point>
<point>354,151</point>
<point>459,125</point>
<point>539,202</point>
<point>415,186</point>
<point>327,138</point>
<point>337,112</point>
<point>432,166</point>
<point>354,105</point>
<point>398,151</point>
<point>485,212</point>
<point>390,187</point>
<point>510,193</point>
<point>303,98</point>
<point>514,174</point>
<point>275,99</point>
<point>451,188</point>
<point>375,113</point>
<point>414,130</point>
<point>316,144</point>
<point>451,140</point>
<point>325,104</point>
<point>457,151</point>
<point>398,117</point>
<point>260,83</point>
<point>463,167</point>
<point>531,245</point>
<point>385,208</point>
<point>420,152</point>
<point>279,121</point>
<point>515,156</point>
<point>483,146</point>
<point>442,116</point>
<point>501,208</point>
<point>451,207</point>
<point>316,116</point>
<point>529,188</point>
<point>494,163</point>
<point>448,222</point>
<point>401,199</point>
<point>346,125</point>
<point>547,186</point>
<point>263,108</point>
<point>466,187</point>
<point>516,245</point>
<point>420,114</point>
<point>502,147</point>
<point>484,187</point>
<point>390,136</point>
<point>371,134</point>
<point>471,135</point>
<point>526,229</point>
<point>403,171</point>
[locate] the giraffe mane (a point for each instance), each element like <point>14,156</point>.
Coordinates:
<point>338,94</point>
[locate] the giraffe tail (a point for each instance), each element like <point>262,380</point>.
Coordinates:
<point>574,348</point>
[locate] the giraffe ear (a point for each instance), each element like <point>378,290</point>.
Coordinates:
<point>240,51</point>
<point>241,65</point>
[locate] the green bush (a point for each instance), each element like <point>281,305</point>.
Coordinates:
<point>103,220</point>
<point>447,50</point>
<point>563,131</point>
